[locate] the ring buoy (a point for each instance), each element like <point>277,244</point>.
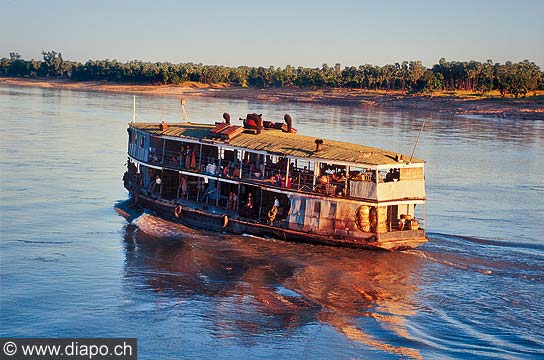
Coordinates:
<point>177,211</point>
<point>225,221</point>
<point>362,218</point>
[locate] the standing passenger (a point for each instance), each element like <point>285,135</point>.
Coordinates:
<point>234,202</point>
<point>187,157</point>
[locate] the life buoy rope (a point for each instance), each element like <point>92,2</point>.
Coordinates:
<point>177,211</point>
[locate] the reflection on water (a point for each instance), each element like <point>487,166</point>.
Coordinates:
<point>279,285</point>
<point>69,266</point>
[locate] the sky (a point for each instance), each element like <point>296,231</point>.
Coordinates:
<point>275,32</point>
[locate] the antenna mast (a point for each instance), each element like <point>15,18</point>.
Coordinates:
<point>134,109</point>
<point>184,115</point>
<point>417,141</point>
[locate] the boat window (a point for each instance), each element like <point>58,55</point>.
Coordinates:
<point>361,174</point>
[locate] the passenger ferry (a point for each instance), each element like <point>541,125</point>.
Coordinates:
<point>263,178</point>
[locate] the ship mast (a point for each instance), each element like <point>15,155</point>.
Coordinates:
<point>134,109</point>
<point>184,115</point>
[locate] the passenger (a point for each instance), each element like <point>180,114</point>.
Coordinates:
<point>236,172</point>
<point>213,169</point>
<point>249,203</point>
<point>156,186</point>
<point>389,176</point>
<point>210,193</point>
<point>184,187</point>
<point>305,174</point>
<point>273,212</point>
<point>396,174</point>
<point>286,183</point>
<point>188,157</point>
<point>200,185</point>
<point>402,222</point>
<point>229,201</point>
<point>225,171</point>
<point>234,202</point>
<point>193,160</point>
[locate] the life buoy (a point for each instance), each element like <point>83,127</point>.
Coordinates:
<point>362,218</point>
<point>225,221</point>
<point>177,211</point>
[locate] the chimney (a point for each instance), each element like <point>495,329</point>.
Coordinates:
<point>318,143</point>
<point>226,116</point>
<point>288,121</point>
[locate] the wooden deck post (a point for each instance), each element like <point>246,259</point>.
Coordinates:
<point>163,149</point>
<point>287,173</point>
<point>200,159</point>
<point>217,192</point>
<point>316,174</point>
<point>261,202</point>
<point>162,182</point>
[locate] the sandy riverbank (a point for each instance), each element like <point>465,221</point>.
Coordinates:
<point>525,108</point>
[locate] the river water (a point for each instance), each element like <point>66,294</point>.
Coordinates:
<point>71,266</point>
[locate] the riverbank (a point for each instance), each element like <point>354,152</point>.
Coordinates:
<point>448,102</point>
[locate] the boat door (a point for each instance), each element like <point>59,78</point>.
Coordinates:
<point>313,211</point>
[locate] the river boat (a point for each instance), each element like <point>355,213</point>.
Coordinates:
<point>263,178</point>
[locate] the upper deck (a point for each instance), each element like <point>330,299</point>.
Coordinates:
<point>277,142</point>
<point>287,161</point>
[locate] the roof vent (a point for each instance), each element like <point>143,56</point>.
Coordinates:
<point>163,126</point>
<point>288,121</point>
<point>318,143</point>
<point>253,121</point>
<point>226,116</point>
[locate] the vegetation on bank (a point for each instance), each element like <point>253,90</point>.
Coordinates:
<point>517,79</point>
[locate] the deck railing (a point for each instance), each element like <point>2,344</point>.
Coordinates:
<point>297,181</point>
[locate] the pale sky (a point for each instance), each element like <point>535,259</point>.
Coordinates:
<point>277,32</point>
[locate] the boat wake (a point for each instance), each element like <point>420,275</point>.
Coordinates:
<point>488,257</point>
<point>498,243</point>
<point>157,227</point>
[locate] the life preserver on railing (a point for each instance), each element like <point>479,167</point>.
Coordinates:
<point>177,211</point>
<point>225,221</point>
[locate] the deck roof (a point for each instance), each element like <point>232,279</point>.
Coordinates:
<point>281,143</point>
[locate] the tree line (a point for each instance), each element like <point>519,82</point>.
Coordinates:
<point>515,79</point>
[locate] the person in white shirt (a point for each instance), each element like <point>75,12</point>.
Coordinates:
<point>274,210</point>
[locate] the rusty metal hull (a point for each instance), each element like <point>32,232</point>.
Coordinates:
<point>195,216</point>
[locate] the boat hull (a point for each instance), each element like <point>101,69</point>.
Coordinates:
<point>197,215</point>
